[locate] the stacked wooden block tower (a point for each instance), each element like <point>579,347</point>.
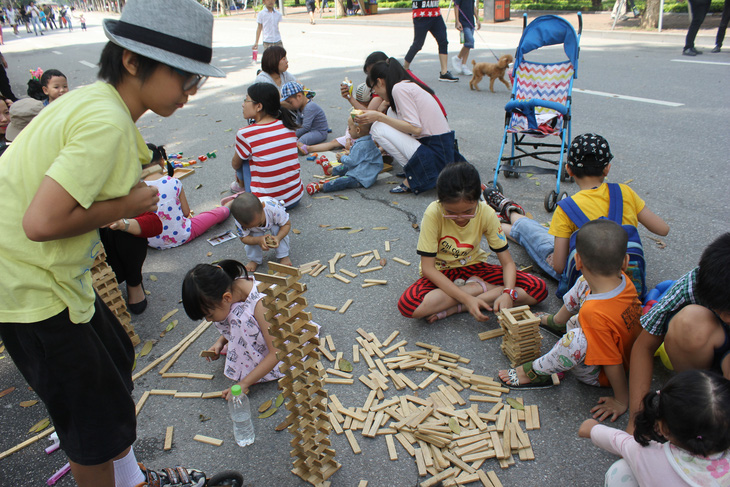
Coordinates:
<point>521,339</point>
<point>295,336</point>
<point>107,287</point>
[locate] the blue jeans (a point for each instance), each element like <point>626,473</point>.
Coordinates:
<point>244,174</point>
<point>536,240</point>
<point>343,182</point>
<point>468,36</point>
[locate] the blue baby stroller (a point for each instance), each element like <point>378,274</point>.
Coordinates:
<point>541,103</point>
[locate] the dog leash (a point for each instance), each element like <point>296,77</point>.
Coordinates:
<point>480,36</point>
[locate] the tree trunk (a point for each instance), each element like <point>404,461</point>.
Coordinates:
<point>339,8</point>
<point>650,19</point>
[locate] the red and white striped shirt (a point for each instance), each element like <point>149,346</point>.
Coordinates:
<point>272,152</point>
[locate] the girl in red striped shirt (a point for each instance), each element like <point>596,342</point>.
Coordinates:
<point>266,159</point>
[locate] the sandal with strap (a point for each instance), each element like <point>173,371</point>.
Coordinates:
<point>443,314</point>
<point>551,327</point>
<point>479,281</point>
<point>173,477</point>
<point>401,188</point>
<point>536,381</point>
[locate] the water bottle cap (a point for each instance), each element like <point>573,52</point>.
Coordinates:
<point>236,390</point>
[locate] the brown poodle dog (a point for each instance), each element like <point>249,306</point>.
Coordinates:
<point>494,71</point>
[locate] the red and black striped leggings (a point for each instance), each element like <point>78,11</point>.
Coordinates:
<point>413,296</point>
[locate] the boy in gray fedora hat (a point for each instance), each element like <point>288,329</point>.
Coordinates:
<point>75,169</point>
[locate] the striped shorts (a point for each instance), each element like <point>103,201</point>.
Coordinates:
<point>413,296</point>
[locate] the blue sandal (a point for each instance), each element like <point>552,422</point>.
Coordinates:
<point>401,188</point>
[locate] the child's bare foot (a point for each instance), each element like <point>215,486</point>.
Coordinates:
<point>251,266</point>
<point>443,314</point>
<point>286,261</point>
<point>522,378</point>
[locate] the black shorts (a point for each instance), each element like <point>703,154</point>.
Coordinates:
<point>83,375</point>
<point>310,6</point>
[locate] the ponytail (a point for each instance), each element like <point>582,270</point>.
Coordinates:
<point>269,97</point>
<point>205,284</point>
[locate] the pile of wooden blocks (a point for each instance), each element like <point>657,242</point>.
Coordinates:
<point>521,339</point>
<point>107,287</point>
<point>295,336</point>
<point>446,439</point>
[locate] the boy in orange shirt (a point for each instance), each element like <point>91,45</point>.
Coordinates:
<point>597,344</point>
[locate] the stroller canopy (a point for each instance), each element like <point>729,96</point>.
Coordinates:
<point>549,30</point>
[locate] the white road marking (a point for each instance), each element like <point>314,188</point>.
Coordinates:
<point>87,63</point>
<point>56,52</point>
<point>631,98</point>
<point>699,62</point>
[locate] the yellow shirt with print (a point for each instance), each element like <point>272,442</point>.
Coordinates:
<point>594,203</point>
<point>87,142</point>
<point>454,246</point>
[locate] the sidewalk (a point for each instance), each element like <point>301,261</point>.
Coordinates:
<point>595,24</point>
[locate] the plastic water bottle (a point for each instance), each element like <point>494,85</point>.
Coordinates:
<point>241,415</point>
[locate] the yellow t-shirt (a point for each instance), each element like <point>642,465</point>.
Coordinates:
<point>454,246</point>
<point>594,203</point>
<point>87,142</point>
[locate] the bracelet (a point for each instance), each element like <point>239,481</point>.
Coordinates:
<point>126,224</point>
<point>512,293</point>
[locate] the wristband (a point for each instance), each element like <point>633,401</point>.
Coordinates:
<point>512,293</point>
<point>126,224</point>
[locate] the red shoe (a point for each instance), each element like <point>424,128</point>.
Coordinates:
<point>314,188</point>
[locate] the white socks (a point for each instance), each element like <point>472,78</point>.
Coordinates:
<point>127,472</point>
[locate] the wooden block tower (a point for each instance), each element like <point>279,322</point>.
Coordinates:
<point>107,287</point>
<point>295,336</point>
<point>521,339</point>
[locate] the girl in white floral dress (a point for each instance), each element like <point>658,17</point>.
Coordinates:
<point>227,296</point>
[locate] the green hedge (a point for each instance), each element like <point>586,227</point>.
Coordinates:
<point>569,5</point>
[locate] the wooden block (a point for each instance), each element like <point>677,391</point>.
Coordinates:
<point>458,462</point>
<point>401,261</point>
<point>449,472</point>
<point>371,269</point>
<point>331,380</point>
<point>317,270</point>
<point>355,354</point>
<point>363,483</point>
<point>140,403</point>
<point>473,398</point>
<point>353,442</point>
<point>163,392</point>
<point>528,419</point>
<point>420,463</point>
<point>210,395</point>
<point>339,373</point>
<point>535,417</point>
<point>360,254</point>
<point>392,453</point>
<point>340,278</point>
<point>493,478</point>
<point>208,353</point>
<point>345,306</point>
<point>387,245</point>
<point>497,444</point>
<point>168,439</point>
<point>335,424</point>
<point>348,273</point>
<point>326,353</point>
<point>390,338</point>
<point>325,306</point>
<point>189,395</point>
<point>208,440</point>
<point>367,336</point>
<point>330,343</point>
<point>484,479</point>
<point>487,335</point>
<point>428,380</point>
<point>199,376</point>
<point>365,260</point>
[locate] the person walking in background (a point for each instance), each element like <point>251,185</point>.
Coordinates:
<point>12,15</point>
<point>723,27</point>
<point>698,11</point>
<point>35,18</point>
<point>427,18</point>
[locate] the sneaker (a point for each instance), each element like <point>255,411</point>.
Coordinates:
<point>173,477</point>
<point>456,64</point>
<point>502,205</point>
<point>691,51</point>
<point>326,167</point>
<point>314,188</point>
<point>465,70</point>
<point>448,77</point>
<point>716,49</point>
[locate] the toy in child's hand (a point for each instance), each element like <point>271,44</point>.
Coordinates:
<point>271,242</point>
<point>348,84</point>
<point>354,113</point>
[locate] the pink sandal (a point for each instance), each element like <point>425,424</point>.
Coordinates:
<point>443,314</point>
<point>231,198</point>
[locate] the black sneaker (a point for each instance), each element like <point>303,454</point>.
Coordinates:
<point>691,51</point>
<point>448,77</point>
<point>716,49</point>
<point>502,205</point>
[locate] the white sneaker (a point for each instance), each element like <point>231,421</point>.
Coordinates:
<point>456,65</point>
<point>465,70</point>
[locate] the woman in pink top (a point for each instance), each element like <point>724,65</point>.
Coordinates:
<point>414,131</point>
<point>682,436</point>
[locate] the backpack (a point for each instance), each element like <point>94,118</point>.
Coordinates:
<point>637,263</point>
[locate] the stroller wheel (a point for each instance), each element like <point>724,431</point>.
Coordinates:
<point>563,195</point>
<point>227,478</point>
<point>551,201</point>
<point>513,174</point>
<point>564,176</point>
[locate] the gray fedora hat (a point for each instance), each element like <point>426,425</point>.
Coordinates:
<point>178,33</point>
